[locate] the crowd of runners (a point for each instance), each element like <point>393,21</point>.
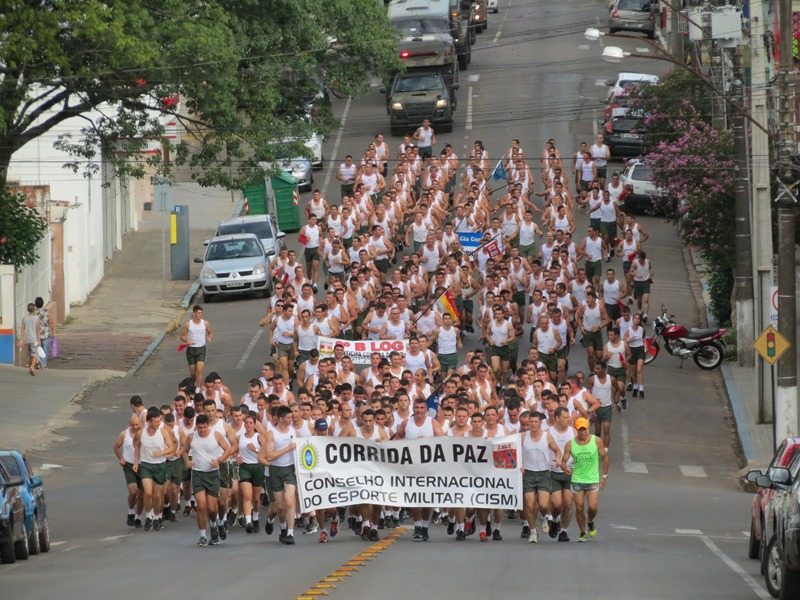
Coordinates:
<point>390,250</point>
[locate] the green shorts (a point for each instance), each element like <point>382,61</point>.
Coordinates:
<point>206,481</point>
<point>175,471</point>
<point>383,265</point>
<point>528,251</point>
<point>280,477</point>
<point>346,189</point>
<point>533,481</point>
<point>195,355</point>
<point>155,471</point>
<point>593,269</point>
<point>448,361</point>
<point>609,229</point>
<point>592,339</point>
<point>619,374</point>
<point>131,476</point>
<point>285,350</point>
<point>225,475</point>
<point>311,254</point>
<point>503,352</point>
<point>561,481</point>
<point>550,361</point>
<point>640,288</point>
<point>252,474</point>
<point>561,353</point>
<point>604,414</point>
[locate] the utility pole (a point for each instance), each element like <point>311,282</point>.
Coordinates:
<point>676,36</point>
<point>786,406</point>
<point>761,213</point>
<point>743,273</point>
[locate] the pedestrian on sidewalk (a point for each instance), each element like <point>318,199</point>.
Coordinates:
<point>47,329</point>
<point>29,336</point>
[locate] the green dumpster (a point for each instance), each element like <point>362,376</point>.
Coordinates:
<point>287,198</point>
<point>256,196</point>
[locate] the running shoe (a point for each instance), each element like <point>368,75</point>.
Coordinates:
<point>526,532</point>
<point>382,523</point>
<point>483,536</point>
<point>137,523</point>
<point>148,524</point>
<point>203,541</point>
<point>373,535</point>
<point>167,513</point>
<point>451,528</point>
<point>641,393</point>
<point>417,537</point>
<point>624,402</point>
<point>282,536</point>
<point>323,538</point>
<point>223,532</point>
<point>256,527</point>
<point>563,537</point>
<point>214,536</point>
<point>288,540</point>
<point>592,529</point>
<point>644,318</point>
<point>158,525</point>
<point>334,528</point>
<point>187,510</point>
<point>545,526</point>
<point>131,521</point>
<point>469,527</point>
<point>635,393</point>
<point>496,536</point>
<point>424,534</point>
<point>533,537</point>
<point>365,531</point>
<point>248,527</point>
<point>555,527</point>
<point>461,536</point>
<point>511,515</point>
<point>488,528</point>
<point>269,527</point>
<point>173,515</point>
<point>312,527</point>
<point>583,537</point>
<point>629,387</point>
<point>242,521</point>
<point>436,517</point>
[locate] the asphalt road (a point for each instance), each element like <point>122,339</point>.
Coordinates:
<point>672,520</point>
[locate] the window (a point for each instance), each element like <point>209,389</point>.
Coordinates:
<point>641,173</point>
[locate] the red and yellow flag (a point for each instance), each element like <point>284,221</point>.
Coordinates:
<point>447,305</point>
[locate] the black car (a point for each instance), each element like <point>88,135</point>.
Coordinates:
<point>13,534</point>
<point>414,97</point>
<point>624,135</point>
<point>781,536</point>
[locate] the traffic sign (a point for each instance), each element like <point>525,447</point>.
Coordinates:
<point>771,345</point>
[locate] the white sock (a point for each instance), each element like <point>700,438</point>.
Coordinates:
<point>283,525</point>
<point>131,511</point>
<point>151,514</point>
<point>417,523</point>
<point>451,518</point>
<point>203,532</point>
<point>365,523</point>
<point>460,527</point>
<point>248,519</point>
<point>525,523</point>
<point>290,532</point>
<point>270,519</point>
<point>424,524</point>
<point>255,517</point>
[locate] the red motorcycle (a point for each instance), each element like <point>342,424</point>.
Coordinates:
<point>705,346</point>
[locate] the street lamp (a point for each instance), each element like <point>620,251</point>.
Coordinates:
<point>613,54</point>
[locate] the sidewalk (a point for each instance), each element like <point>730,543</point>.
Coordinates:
<point>117,328</point>
<point>740,382</point>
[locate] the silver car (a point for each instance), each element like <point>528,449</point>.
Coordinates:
<point>263,226</point>
<point>235,264</point>
<point>634,15</point>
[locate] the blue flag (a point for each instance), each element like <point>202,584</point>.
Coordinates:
<point>433,403</point>
<point>499,172</point>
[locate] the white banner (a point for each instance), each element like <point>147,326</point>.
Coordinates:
<point>360,351</point>
<point>430,472</point>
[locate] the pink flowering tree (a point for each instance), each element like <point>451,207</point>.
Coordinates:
<point>694,165</point>
<point>22,227</point>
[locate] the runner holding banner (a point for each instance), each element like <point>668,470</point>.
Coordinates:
<point>360,351</point>
<point>455,472</point>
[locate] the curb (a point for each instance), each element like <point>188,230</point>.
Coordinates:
<point>176,322</point>
<point>745,440</point>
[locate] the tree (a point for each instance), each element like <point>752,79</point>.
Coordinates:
<point>246,73</point>
<point>21,230</point>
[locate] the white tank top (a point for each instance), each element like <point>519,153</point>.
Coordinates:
<point>636,337</point>
<point>616,355</point>
<point>312,233</point>
<point>306,338</point>
<point>611,292</point>
<point>594,249</point>
<point>641,271</point>
<point>413,363</point>
<point>499,333</point>
<point>561,328</point>
<point>248,456</point>
<point>336,224</point>
<point>370,183</point>
<point>591,317</point>
<point>546,340</point>
<point>395,332</point>
<point>447,341</point>
<point>432,256</point>
<point>561,223</point>
<point>281,441</point>
<point>284,330</point>
<point>629,250</point>
<point>426,323</point>
<point>527,233</point>
<point>608,214</point>
<point>510,226</point>
<point>602,391</point>
<point>414,431</point>
<point>375,437</point>
<point>197,334</point>
<point>377,322</point>
<point>615,192</point>
<point>579,290</point>
<point>150,445</point>
<point>205,450</point>
<point>561,440</point>
<point>425,137</point>
<point>535,455</point>
<point>128,450</point>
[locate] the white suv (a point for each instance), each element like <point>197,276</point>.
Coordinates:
<point>638,175</point>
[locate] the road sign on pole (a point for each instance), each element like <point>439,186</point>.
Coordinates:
<point>771,345</point>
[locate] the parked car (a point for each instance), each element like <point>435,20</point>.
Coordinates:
<point>13,533</point>
<point>625,82</point>
<point>788,449</point>
<point>263,226</point>
<point>637,179</point>
<point>634,15</point>
<point>780,547</point>
<point>624,135</point>
<point>617,106</point>
<point>493,5</point>
<point>32,493</point>
<point>300,169</point>
<point>235,264</point>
